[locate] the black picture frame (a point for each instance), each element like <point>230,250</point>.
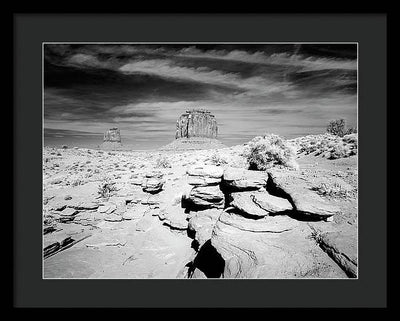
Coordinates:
<point>31,30</point>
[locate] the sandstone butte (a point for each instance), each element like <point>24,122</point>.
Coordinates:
<point>112,139</point>
<point>196,123</point>
<point>195,129</point>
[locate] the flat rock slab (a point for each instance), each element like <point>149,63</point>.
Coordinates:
<point>123,254</point>
<point>153,184</point>
<point>210,171</point>
<point>263,254</point>
<point>107,208</point>
<point>267,224</point>
<point>136,180</point>
<point>174,216</point>
<point>135,212</point>
<point>243,201</point>
<point>342,247</point>
<point>86,205</point>
<point>68,212</point>
<point>113,217</point>
<point>202,180</point>
<point>259,203</point>
<point>243,179</point>
<point>145,223</point>
<point>270,203</point>
<point>297,190</point>
<point>89,217</point>
<point>151,199</point>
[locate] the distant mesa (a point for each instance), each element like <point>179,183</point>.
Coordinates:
<point>112,139</point>
<point>196,123</point>
<point>195,129</point>
<point>112,135</point>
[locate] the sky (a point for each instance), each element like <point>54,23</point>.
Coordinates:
<point>252,89</point>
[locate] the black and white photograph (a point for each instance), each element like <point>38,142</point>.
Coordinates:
<point>200,160</point>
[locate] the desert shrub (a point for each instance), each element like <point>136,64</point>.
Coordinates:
<point>351,139</point>
<point>216,159</point>
<point>77,181</point>
<point>340,151</point>
<point>163,162</point>
<point>335,190</point>
<point>107,188</point>
<point>351,130</point>
<point>269,150</point>
<point>315,235</point>
<point>337,127</point>
<point>326,145</point>
<point>48,219</point>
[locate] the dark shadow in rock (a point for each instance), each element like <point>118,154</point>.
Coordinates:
<point>195,245</point>
<point>49,229</point>
<point>152,192</point>
<point>186,204</point>
<point>191,269</point>
<point>253,167</point>
<point>190,233</point>
<point>191,207</point>
<point>175,229</point>
<point>299,216</point>
<point>244,214</point>
<point>208,261</point>
<point>226,191</point>
<point>286,212</point>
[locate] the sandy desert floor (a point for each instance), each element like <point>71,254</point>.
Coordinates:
<point>134,233</point>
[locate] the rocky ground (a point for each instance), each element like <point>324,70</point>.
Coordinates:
<point>197,214</point>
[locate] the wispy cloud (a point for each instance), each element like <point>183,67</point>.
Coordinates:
<point>282,59</point>
<point>142,89</point>
<point>167,69</point>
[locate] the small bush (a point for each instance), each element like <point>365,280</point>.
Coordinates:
<point>48,219</point>
<point>337,127</point>
<point>315,235</point>
<point>107,188</point>
<point>216,159</point>
<point>351,139</point>
<point>341,151</point>
<point>336,190</point>
<point>163,162</point>
<point>266,151</point>
<point>77,182</point>
<point>351,130</point>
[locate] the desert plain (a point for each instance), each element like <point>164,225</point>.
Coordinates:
<point>200,213</point>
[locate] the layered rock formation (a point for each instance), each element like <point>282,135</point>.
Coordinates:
<point>252,220</point>
<point>205,192</point>
<point>153,182</point>
<point>112,139</point>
